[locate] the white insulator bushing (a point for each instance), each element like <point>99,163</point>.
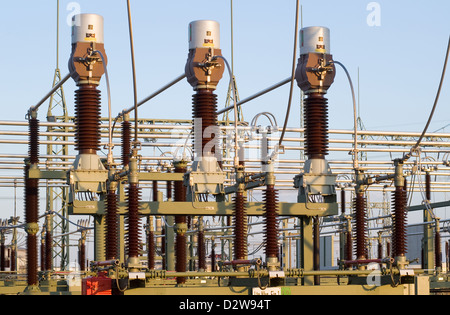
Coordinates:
<point>87,28</point>
<point>204,34</point>
<point>315,39</point>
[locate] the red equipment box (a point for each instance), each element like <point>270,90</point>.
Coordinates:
<point>100,285</point>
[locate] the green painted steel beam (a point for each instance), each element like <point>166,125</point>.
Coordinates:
<point>161,176</point>
<point>206,208</point>
<point>36,173</point>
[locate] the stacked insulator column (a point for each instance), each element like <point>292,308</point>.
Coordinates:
<point>213,255</point>
<point>348,244</point>
<point>87,120</point>
<point>203,70</point>
<point>399,245</point>
<point>87,65</point>
<point>205,113</point>
<point>181,225</point>
<point>239,226</point>
<point>316,248</point>
<point>133,198</point>
<point>2,253</point>
<point>447,254</point>
<point>13,259</point>
<point>112,229</point>
<point>316,126</point>
<point>270,199</point>
<point>437,247</point>
<point>87,45</point>
<point>314,75</point>
<point>32,204</point>
<point>359,206</point>
<point>205,141</point>
<point>343,201</point>
<point>126,143</point>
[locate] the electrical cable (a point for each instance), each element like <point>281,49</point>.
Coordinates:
<point>49,94</point>
<point>355,119</point>
<point>236,145</point>
<point>268,115</point>
<point>407,156</point>
<point>293,74</point>
<point>130,26</point>
<point>108,88</point>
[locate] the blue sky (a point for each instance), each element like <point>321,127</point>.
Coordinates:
<point>400,61</point>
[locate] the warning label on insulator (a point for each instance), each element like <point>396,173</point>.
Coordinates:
<point>90,37</point>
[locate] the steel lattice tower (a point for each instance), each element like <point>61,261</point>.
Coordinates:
<point>57,197</point>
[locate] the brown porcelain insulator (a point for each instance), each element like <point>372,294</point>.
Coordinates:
<point>2,257</point>
<point>42,256</point>
<point>126,143</point>
<point>48,251</point>
<point>213,257</point>
<point>181,254</point>
<point>169,189</point>
<point>82,256</point>
<point>179,188</point>
<point>32,278</point>
<point>112,228</point>
<point>13,260</point>
<point>342,201</point>
<point>205,108</point>
<point>447,254</point>
<point>359,206</point>
<point>399,245</point>
<point>151,255</point>
<point>201,250</point>
<point>31,186</point>
<point>33,145</point>
<point>180,240</point>
<point>133,199</point>
<point>316,126</point>
<point>151,250</point>
<point>155,190</point>
<point>316,248</point>
<point>428,186</point>
<point>87,119</point>
<point>31,216</point>
<point>380,250</point>
<point>437,250</point>
<point>239,226</point>
<point>31,199</point>
<point>32,202</point>
<point>349,246</point>
<point>271,221</point>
